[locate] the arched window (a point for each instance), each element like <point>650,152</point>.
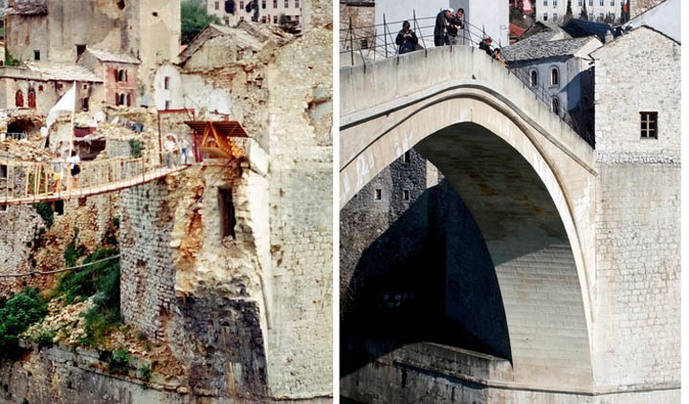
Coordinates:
<point>554,76</point>
<point>32,98</point>
<point>19,98</point>
<point>122,75</point>
<point>534,78</point>
<point>556,105</point>
<point>121,99</point>
<point>129,100</point>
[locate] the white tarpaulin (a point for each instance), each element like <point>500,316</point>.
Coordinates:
<point>66,103</point>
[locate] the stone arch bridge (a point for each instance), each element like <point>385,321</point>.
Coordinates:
<point>527,178</point>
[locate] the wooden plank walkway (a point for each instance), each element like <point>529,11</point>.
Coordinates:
<point>76,193</point>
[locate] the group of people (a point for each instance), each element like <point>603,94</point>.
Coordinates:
<point>172,149</point>
<point>60,164</point>
<point>447,26</point>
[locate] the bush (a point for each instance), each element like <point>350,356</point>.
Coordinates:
<point>17,315</point>
<point>145,372</point>
<point>119,361</point>
<point>45,210</point>
<point>136,148</point>
<point>45,339</point>
<point>73,251</point>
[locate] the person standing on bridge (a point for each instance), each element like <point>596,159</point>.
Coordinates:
<point>169,146</point>
<point>406,39</point>
<point>58,166</point>
<point>455,23</point>
<point>74,167</point>
<point>440,37</point>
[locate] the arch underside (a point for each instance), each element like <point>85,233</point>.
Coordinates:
<point>530,250</point>
<point>523,215</point>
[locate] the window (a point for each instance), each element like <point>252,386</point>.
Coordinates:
<point>80,50</point>
<point>296,3</point>
<point>545,16</point>
<point>407,156</point>
<point>405,195</point>
<point>263,4</point>
<point>275,19</point>
<point>263,19</point>
<point>121,75</point>
<point>3,208</point>
<point>554,16</point>
<point>241,5</point>
<point>155,13</point>
<point>590,3</point>
<point>129,100</point>
<point>227,213</point>
<point>545,3</point>
<point>649,125</point>
<point>32,98</point>
<point>612,2</point>
<point>85,104</point>
<point>556,105</point>
<point>554,3</point>
<point>19,98</point>
<point>554,76</point>
<point>59,207</point>
<point>37,55</point>
<point>286,3</point>
<point>167,105</point>
<point>601,2</point>
<point>581,3</point>
<point>534,78</point>
<point>217,5</point>
<point>378,194</point>
<point>166,83</point>
<point>275,3</point>
<point>3,171</point>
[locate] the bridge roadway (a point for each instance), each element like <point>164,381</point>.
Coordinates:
<point>526,176</point>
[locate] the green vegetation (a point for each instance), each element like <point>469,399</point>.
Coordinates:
<point>194,20</point>
<point>136,147</point>
<point>45,339</point>
<point>9,60</point>
<point>73,251</point>
<point>119,361</point>
<point>45,210</point>
<point>145,372</point>
<point>16,315</point>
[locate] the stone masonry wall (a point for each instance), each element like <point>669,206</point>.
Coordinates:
<point>301,233</point>
<point>147,274</point>
<point>637,314</point>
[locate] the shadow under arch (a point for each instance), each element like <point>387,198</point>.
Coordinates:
<point>530,251</point>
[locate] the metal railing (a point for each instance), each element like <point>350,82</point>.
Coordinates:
<point>375,42</point>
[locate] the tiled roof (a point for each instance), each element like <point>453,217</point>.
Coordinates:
<point>538,47</point>
<point>64,72</point>
<point>27,8</point>
<point>107,56</point>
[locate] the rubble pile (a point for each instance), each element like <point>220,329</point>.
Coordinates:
<point>65,320</point>
<point>22,150</point>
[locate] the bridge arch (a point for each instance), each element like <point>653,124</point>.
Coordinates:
<point>525,176</point>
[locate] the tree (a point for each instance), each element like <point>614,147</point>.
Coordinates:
<point>195,19</point>
<point>568,13</point>
<point>584,15</point>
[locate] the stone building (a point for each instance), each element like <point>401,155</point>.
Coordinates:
<point>597,10</point>
<point>268,12</point>
<point>120,73</point>
<point>560,70</point>
<point>637,221</point>
<point>59,31</point>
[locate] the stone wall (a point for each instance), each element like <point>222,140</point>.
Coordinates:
<point>147,274</point>
<point>300,335</point>
<point>638,210</point>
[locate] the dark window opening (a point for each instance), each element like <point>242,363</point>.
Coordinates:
<point>82,201</point>
<point>379,194</point>
<point>217,5</point>
<point>556,105</point>
<point>407,156</point>
<point>3,171</point>
<point>167,105</point>
<point>120,4</point>
<point>227,213</point>
<point>649,125</point>
<point>405,195</point>
<point>85,104</point>
<point>534,78</point>
<point>155,13</point>
<point>32,98</point>
<point>129,100</point>
<point>229,6</point>
<point>80,50</point>
<point>3,208</point>
<point>166,84</point>
<point>554,77</point>
<point>59,207</point>
<point>263,4</point>
<point>122,75</point>
<point>36,55</point>
<point>19,98</point>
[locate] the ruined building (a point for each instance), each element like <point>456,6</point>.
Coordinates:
<point>272,12</point>
<point>128,38</point>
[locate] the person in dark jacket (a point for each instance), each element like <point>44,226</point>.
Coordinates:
<point>454,25</point>
<point>440,37</point>
<point>485,45</point>
<point>406,39</point>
